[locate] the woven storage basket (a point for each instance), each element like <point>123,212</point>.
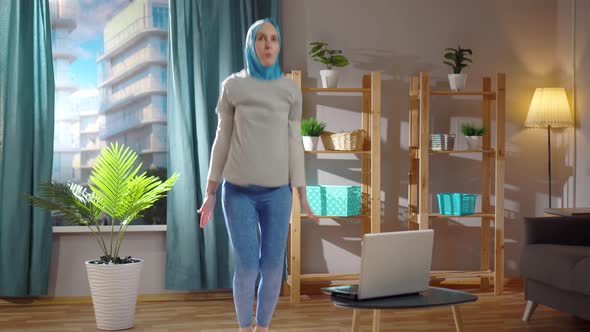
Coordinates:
<point>456,204</point>
<point>350,140</point>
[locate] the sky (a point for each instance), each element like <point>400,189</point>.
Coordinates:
<point>88,37</point>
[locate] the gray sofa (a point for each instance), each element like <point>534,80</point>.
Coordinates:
<point>556,264</point>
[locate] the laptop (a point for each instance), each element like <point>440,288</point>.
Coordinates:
<point>392,263</point>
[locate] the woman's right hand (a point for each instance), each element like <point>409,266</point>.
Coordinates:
<point>206,210</point>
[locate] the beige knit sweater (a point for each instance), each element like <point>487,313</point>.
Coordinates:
<point>258,139</point>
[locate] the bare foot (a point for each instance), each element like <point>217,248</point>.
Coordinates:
<point>260,329</point>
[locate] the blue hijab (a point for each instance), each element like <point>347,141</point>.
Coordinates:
<point>253,66</point>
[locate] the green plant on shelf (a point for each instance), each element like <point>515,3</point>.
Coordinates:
<point>457,56</point>
<point>312,127</point>
<point>471,129</point>
<point>331,58</point>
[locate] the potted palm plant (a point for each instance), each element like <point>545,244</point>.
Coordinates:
<point>473,135</point>
<point>117,191</point>
<point>331,58</point>
<point>457,57</point>
<point>311,129</point>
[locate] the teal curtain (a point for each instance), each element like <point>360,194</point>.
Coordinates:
<point>206,46</point>
<point>26,109</point>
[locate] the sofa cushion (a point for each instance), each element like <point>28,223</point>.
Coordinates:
<point>581,282</point>
<point>555,265</point>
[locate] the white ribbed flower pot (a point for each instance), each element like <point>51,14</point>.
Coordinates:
<point>457,81</point>
<point>474,142</point>
<point>330,78</point>
<point>114,289</point>
<point>310,142</point>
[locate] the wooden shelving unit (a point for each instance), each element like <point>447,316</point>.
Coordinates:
<point>418,185</point>
<point>370,217</point>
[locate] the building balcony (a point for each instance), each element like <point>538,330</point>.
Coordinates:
<point>133,65</point>
<point>132,93</point>
<point>65,82</point>
<point>62,16</point>
<point>130,35</point>
<point>65,149</point>
<point>135,120</point>
<point>64,49</point>
<point>93,146</point>
<point>88,163</point>
<point>90,129</point>
<point>65,115</point>
<point>88,110</point>
<point>153,145</point>
<point>88,158</point>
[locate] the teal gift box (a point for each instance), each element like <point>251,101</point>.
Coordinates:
<point>330,200</point>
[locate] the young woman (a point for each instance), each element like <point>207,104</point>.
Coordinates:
<point>257,156</point>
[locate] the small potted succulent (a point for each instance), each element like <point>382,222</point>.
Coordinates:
<point>331,58</point>
<point>473,134</point>
<point>458,58</point>
<point>311,129</point>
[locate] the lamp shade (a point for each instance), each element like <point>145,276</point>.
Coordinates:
<point>549,107</point>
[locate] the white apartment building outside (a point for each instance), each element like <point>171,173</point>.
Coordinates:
<point>66,157</point>
<point>87,103</point>
<point>132,86</point>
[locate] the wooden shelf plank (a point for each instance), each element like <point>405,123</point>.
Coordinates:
<point>339,151</point>
<point>413,219</point>
<point>304,215</point>
<point>461,151</point>
<point>461,274</point>
<point>475,215</point>
<point>414,152</point>
<point>461,93</point>
<point>336,90</point>
<point>315,277</point>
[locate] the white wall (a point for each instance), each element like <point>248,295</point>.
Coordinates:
<point>70,251</point>
<point>401,38</point>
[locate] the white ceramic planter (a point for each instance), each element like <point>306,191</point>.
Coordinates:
<point>114,289</point>
<point>474,142</point>
<point>457,81</point>
<point>310,142</point>
<point>330,78</point>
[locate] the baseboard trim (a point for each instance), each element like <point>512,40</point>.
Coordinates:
<point>65,300</point>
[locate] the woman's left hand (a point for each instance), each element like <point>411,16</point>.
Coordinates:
<point>305,205</point>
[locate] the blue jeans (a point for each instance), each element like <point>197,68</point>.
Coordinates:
<point>248,209</point>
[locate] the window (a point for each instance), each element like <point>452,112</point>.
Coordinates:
<point>160,17</point>
<point>163,76</point>
<point>102,65</point>
<point>164,47</point>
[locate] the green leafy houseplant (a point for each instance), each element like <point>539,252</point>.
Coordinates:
<point>331,58</point>
<point>115,190</point>
<point>470,129</point>
<point>312,127</point>
<point>457,57</point>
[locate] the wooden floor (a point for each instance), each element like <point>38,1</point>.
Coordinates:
<point>316,313</point>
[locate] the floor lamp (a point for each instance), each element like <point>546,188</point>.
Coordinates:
<point>549,109</point>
